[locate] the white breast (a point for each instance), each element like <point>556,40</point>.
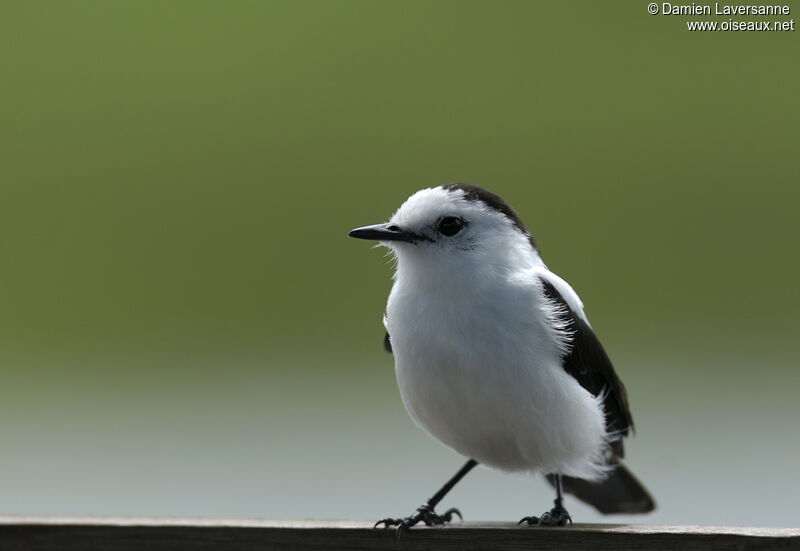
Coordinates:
<point>481,371</point>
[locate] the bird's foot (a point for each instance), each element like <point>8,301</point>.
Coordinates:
<point>557,516</point>
<point>424,514</point>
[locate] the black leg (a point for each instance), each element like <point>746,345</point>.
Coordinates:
<point>559,490</point>
<point>557,516</point>
<point>426,513</point>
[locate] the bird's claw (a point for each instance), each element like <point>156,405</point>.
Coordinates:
<point>424,514</point>
<point>557,516</point>
<point>530,521</point>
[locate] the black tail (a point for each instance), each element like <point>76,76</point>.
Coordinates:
<point>620,493</point>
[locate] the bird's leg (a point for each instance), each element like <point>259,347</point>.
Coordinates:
<point>557,516</point>
<point>425,513</point>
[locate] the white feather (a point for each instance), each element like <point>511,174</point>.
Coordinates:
<point>478,346</point>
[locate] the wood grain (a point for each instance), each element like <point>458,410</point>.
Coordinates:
<point>19,533</point>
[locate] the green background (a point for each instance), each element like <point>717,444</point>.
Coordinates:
<point>185,328</point>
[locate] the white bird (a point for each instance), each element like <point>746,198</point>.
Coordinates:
<point>495,357</point>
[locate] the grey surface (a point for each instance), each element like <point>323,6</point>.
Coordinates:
<point>87,533</point>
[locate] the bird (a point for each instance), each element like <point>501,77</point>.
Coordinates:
<point>495,357</point>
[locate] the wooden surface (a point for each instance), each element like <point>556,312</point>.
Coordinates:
<point>18,533</point>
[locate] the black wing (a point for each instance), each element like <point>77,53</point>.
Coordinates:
<point>620,492</point>
<point>589,364</point>
<point>387,343</point>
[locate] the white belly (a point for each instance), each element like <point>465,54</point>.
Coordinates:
<point>496,393</point>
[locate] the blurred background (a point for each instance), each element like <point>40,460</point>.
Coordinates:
<point>185,328</point>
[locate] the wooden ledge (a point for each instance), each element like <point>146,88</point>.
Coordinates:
<point>22,533</point>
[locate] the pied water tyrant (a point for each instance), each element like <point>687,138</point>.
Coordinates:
<point>495,357</point>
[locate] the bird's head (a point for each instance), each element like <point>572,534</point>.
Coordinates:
<point>452,227</point>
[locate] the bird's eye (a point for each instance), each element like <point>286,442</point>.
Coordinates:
<point>450,225</point>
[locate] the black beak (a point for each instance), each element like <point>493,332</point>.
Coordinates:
<point>385,232</point>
